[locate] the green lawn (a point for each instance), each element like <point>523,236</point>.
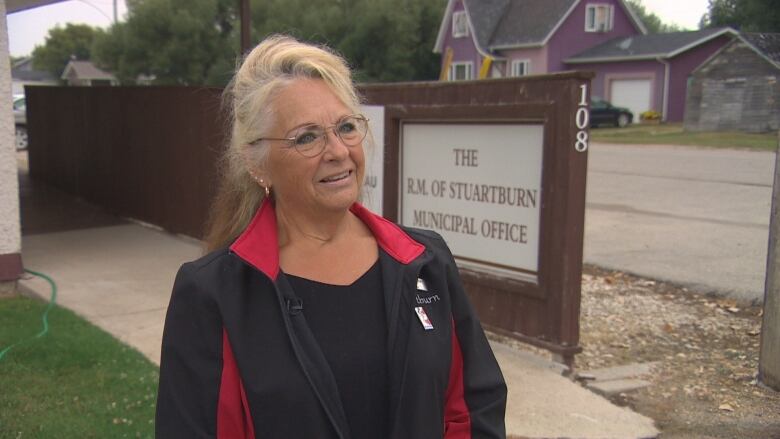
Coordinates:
<point>77,381</point>
<point>673,134</point>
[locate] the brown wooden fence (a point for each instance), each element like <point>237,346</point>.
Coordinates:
<point>150,153</point>
<point>147,153</point>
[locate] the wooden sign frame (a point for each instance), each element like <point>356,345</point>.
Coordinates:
<point>545,313</point>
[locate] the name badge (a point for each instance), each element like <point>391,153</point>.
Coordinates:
<point>423,317</point>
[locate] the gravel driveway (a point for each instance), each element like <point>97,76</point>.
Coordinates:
<point>705,385</point>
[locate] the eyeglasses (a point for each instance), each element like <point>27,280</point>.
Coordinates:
<point>310,140</point>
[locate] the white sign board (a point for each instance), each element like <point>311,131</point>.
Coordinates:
<point>479,186</point>
<point>375,151</point>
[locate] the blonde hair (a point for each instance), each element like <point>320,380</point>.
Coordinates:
<point>265,71</point>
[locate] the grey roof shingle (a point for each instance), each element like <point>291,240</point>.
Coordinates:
<point>650,45</point>
<point>529,21</point>
<point>24,71</point>
<point>484,16</point>
<point>767,43</point>
<point>514,22</point>
<point>33,76</point>
<point>86,70</point>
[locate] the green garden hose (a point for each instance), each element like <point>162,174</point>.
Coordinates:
<point>44,317</point>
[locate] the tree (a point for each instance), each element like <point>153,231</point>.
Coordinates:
<point>74,41</point>
<point>182,42</point>
<point>744,15</point>
<point>401,46</point>
<point>652,22</point>
<point>196,41</point>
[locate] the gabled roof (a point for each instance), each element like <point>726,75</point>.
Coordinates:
<point>767,44</point>
<point>652,46</point>
<point>23,70</point>
<point>529,22</point>
<point>85,70</point>
<point>507,24</point>
<point>24,63</point>
<point>484,17</point>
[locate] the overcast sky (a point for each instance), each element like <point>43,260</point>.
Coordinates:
<point>27,29</point>
<point>685,13</point>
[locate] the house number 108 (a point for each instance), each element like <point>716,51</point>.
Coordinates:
<point>581,119</point>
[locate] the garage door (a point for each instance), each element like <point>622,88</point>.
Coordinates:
<point>633,94</point>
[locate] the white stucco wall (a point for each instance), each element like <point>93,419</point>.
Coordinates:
<point>17,87</point>
<point>10,231</point>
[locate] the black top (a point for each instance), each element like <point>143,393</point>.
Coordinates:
<point>350,326</point>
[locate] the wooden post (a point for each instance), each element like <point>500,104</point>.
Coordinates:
<point>246,27</point>
<point>769,359</point>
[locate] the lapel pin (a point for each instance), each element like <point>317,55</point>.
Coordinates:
<point>426,322</point>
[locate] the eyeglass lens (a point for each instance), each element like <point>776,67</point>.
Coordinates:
<point>310,140</point>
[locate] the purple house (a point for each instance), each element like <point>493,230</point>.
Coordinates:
<point>482,39</point>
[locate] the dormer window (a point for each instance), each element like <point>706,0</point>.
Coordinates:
<point>598,17</point>
<point>460,24</point>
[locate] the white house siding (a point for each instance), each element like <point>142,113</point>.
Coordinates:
<point>10,231</point>
<point>17,87</point>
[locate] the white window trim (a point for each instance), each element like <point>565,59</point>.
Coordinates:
<point>469,70</point>
<point>517,62</point>
<point>455,16</point>
<point>497,71</point>
<point>610,17</point>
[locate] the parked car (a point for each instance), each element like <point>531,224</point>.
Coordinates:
<point>20,121</point>
<point>604,113</point>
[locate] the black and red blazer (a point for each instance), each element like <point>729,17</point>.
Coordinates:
<point>239,361</point>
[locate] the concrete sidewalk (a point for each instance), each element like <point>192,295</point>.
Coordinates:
<point>119,277</point>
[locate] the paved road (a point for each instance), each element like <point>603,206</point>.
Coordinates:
<point>694,216</point>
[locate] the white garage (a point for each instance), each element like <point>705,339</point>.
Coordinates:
<point>634,94</point>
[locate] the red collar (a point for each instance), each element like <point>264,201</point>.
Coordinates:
<point>259,246</point>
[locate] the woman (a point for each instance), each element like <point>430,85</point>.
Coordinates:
<point>312,317</point>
